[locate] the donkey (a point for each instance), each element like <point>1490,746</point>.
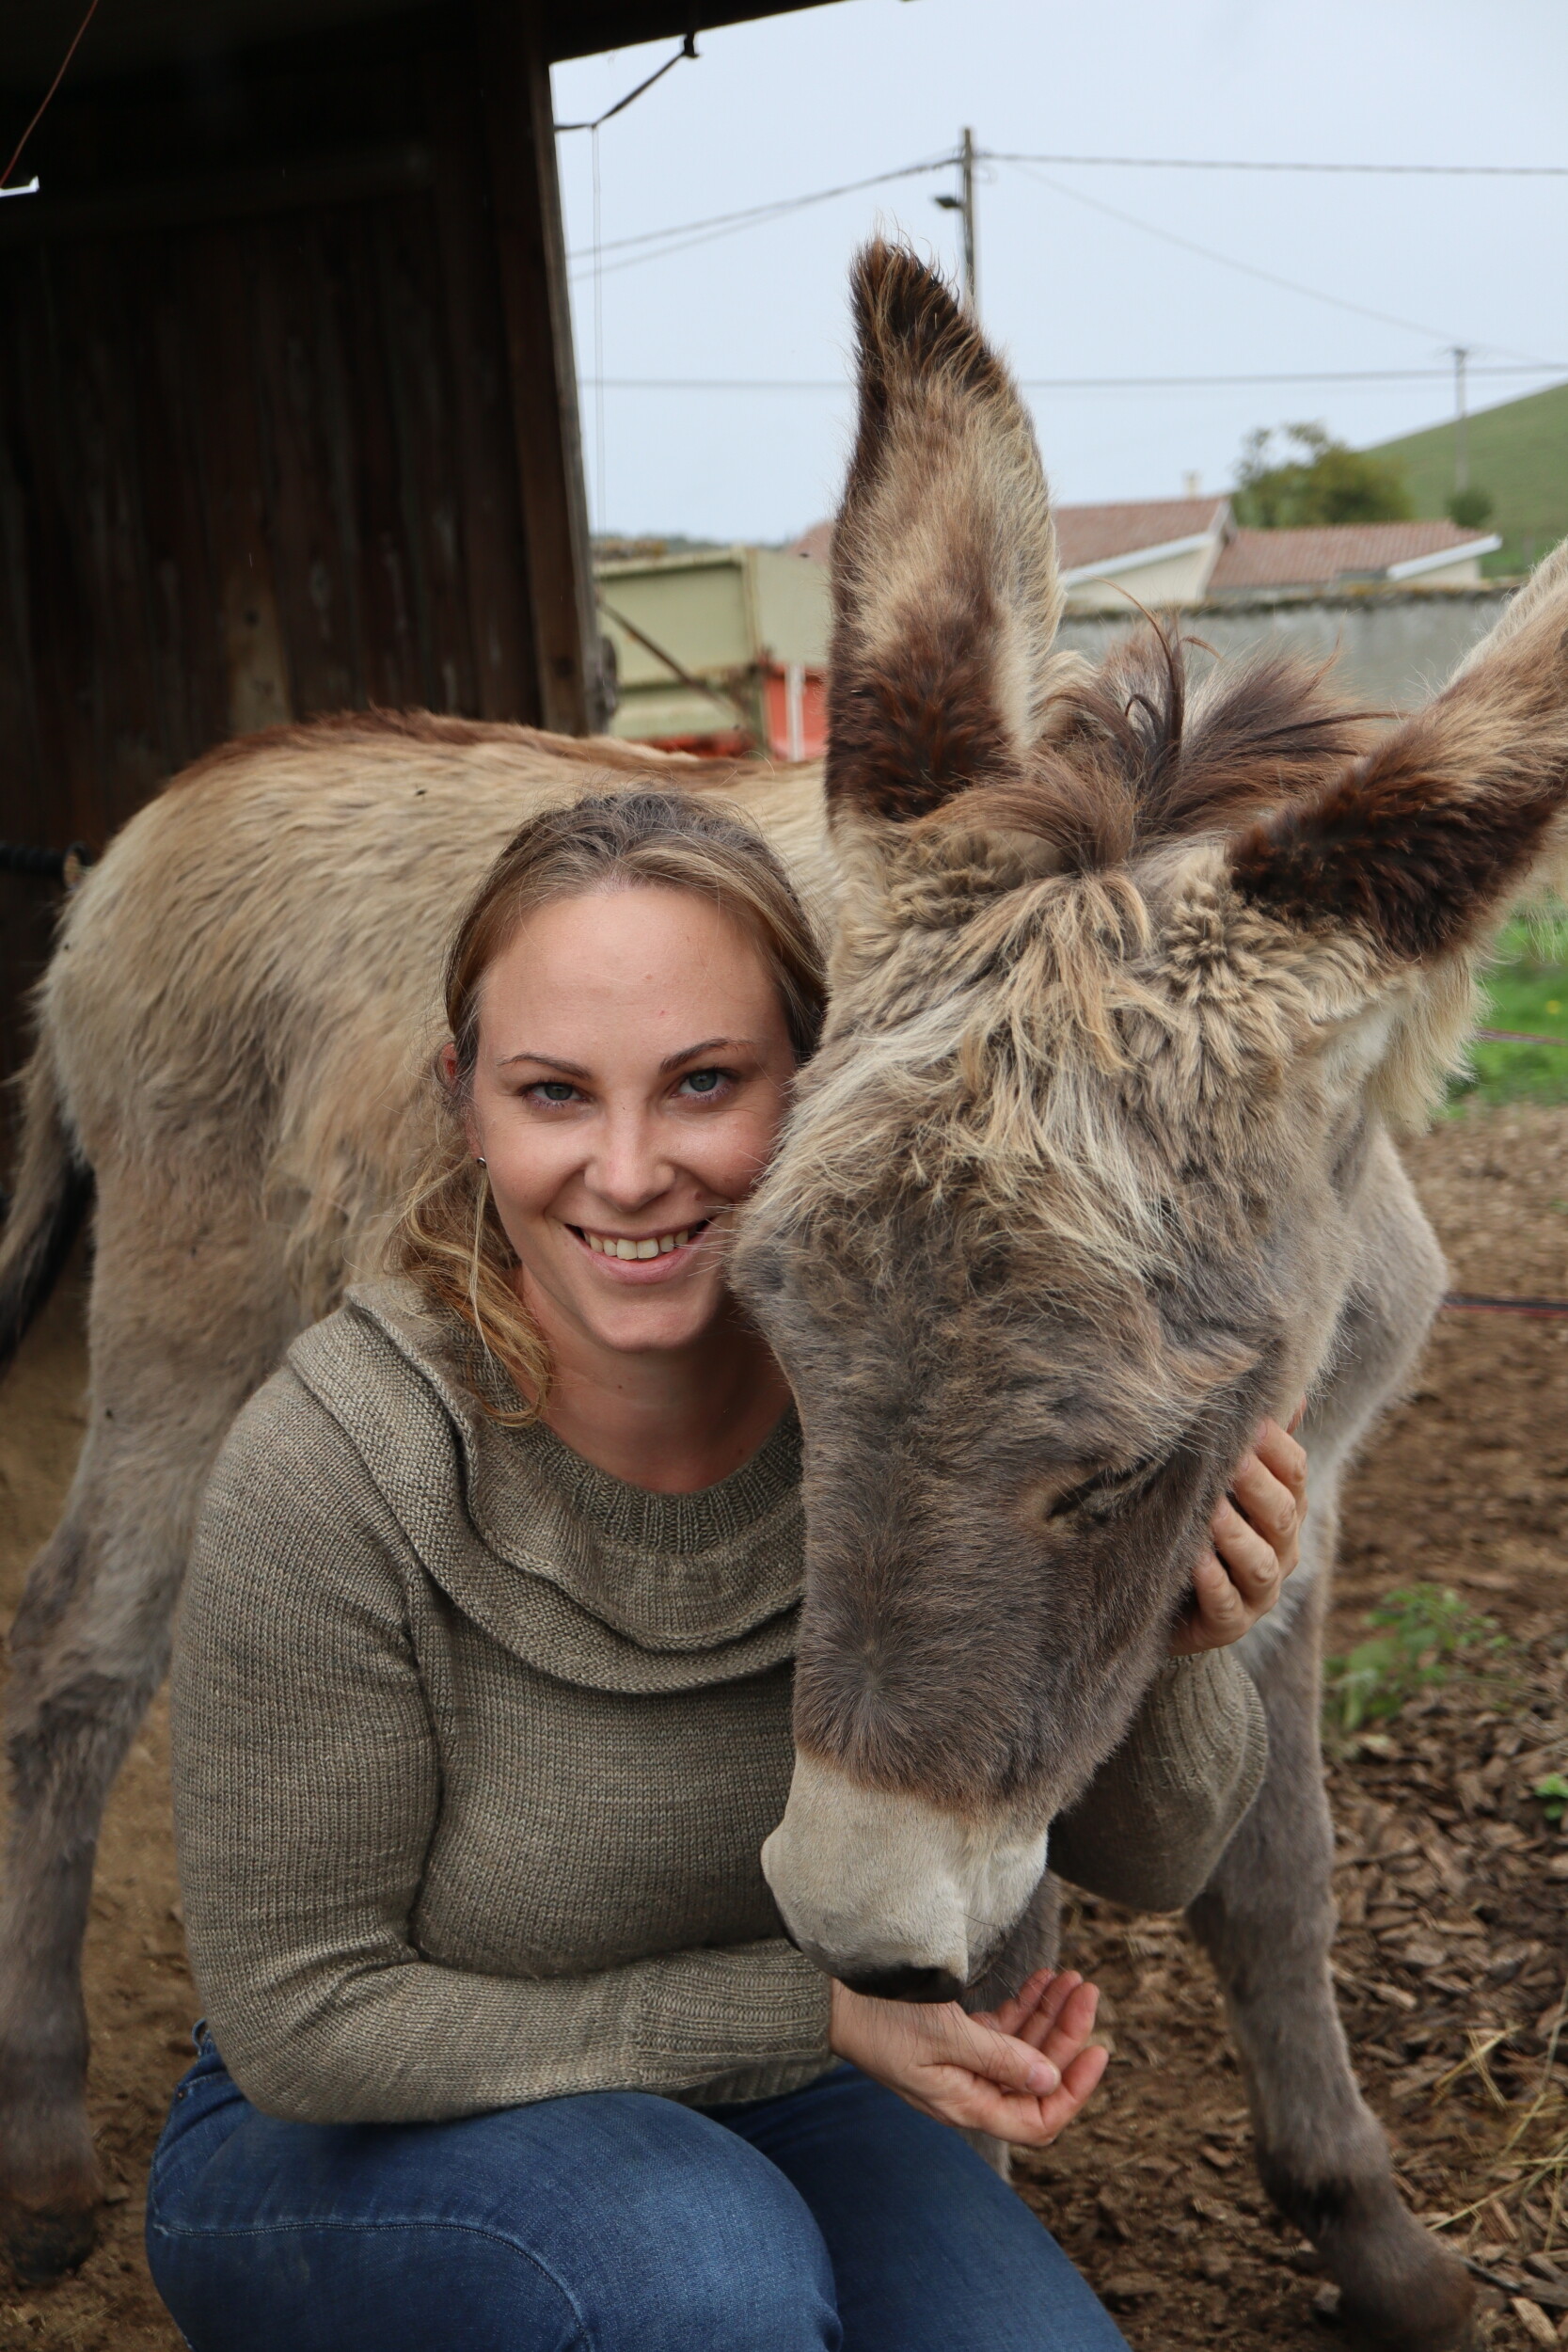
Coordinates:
<point>1100,1113</point>
<point>1093,1170</point>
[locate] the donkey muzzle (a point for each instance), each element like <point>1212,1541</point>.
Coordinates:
<point>892,1895</point>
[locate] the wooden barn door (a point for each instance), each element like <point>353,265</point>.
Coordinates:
<point>264,452</point>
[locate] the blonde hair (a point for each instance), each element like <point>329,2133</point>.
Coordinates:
<point>449,1236</point>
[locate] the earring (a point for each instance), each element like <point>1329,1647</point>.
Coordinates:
<point>481,1158</point>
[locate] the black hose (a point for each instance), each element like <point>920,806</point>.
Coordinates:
<point>60,866</point>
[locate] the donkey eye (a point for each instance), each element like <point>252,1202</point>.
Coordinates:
<point>1108,1490</point>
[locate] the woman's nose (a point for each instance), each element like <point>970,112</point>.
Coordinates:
<point>629,1169</point>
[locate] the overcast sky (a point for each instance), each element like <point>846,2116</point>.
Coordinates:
<point>803,102</point>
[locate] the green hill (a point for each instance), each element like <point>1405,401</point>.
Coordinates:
<point>1519,452</point>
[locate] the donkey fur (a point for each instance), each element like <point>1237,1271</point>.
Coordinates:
<point>1082,1024</point>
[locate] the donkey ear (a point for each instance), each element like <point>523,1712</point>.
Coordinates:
<point>1421,843</point>
<point>944,583</point>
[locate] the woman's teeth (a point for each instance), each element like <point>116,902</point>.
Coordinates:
<point>608,1245</point>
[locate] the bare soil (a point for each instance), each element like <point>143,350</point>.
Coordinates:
<point>1451,1958</point>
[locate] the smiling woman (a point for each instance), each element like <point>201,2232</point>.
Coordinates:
<point>482,1714</point>
<point>577,1208</point>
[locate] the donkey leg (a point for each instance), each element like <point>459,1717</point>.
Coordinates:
<point>173,1356</point>
<point>1267,1921</point>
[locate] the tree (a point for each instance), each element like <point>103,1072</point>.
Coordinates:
<point>1470,508</point>
<point>1325,481</point>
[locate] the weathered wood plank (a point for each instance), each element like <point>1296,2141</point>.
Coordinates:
<point>258,688</point>
<point>506,681</point>
<point>99,334</point>
<point>188,652</point>
<point>419,376</point>
<point>392,670</point>
<point>298,372</point>
<point>54,555</point>
<point>531,259</point>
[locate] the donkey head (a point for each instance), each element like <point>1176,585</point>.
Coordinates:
<point>1067,1201</point>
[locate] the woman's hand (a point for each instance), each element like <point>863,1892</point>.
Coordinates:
<point>1020,2071</point>
<point>1257,1532</point>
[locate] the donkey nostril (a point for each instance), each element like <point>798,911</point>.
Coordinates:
<point>904,1983</point>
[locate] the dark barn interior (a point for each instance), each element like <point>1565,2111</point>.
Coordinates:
<point>288,413</point>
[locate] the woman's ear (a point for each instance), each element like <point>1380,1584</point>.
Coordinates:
<point>445,1066</point>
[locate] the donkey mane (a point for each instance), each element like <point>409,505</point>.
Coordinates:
<point>1134,755</point>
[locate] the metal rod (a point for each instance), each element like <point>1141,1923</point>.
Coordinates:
<point>971,272</point>
<point>1460,353</point>
<point>694,685</point>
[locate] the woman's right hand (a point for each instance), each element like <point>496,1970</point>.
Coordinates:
<point>1021,2072</point>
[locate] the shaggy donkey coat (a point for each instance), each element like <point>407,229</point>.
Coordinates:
<point>1092,1168</point>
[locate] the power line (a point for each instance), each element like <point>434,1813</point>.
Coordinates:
<point>701,231</point>
<point>1210,163</point>
<point>1127,163</point>
<point>1247,269</point>
<point>1074,382</point>
<point>663,244</point>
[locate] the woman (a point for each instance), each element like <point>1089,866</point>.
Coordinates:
<point>481,1713</point>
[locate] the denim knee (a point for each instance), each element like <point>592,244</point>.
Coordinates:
<point>707,2246</point>
<point>615,2220</point>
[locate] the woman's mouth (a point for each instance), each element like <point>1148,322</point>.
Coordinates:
<point>641,1248</point>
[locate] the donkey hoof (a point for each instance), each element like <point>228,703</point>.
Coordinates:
<point>1401,2291</point>
<point>43,2244</point>
<point>1415,2305</point>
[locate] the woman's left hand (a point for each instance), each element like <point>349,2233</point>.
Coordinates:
<point>1256,1542</point>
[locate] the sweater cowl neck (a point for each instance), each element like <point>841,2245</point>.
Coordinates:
<point>592,1578</point>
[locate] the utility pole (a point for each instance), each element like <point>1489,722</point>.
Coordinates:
<point>1459,354</point>
<point>964,203</point>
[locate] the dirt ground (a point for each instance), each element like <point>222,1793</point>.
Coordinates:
<point>1451,1957</point>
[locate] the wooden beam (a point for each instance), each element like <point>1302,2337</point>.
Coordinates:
<point>579,28</point>
<point>531,259</point>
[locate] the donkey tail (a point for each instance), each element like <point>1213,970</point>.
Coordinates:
<point>46,1209</point>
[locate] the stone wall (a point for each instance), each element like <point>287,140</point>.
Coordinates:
<point>1394,644</point>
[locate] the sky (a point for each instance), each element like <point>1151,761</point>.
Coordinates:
<point>796,104</point>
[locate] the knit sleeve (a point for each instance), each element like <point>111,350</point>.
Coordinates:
<point>306,1791</point>
<point>1159,1812</point>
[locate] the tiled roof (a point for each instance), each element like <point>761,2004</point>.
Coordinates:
<point>1091,535</point>
<point>816,543</point>
<point>1095,534</point>
<point>1248,559</point>
<point>1315,558</point>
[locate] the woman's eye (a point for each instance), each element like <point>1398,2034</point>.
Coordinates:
<point>553,1090</point>
<point>702,1081</point>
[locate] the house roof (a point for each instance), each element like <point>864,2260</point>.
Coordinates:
<point>1134,530</point>
<point>816,545</point>
<point>1094,534</point>
<point>1097,535</point>
<point>1318,557</point>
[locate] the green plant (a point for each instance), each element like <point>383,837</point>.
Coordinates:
<point>1526,990</point>
<point>1420,1637</point>
<point>1325,482</point>
<point>1553,1794</point>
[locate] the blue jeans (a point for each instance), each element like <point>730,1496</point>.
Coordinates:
<point>610,2222</point>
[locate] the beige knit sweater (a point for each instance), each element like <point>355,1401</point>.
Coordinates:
<point>475,1747</point>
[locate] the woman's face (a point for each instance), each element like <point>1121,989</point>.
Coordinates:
<point>633,1070</point>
